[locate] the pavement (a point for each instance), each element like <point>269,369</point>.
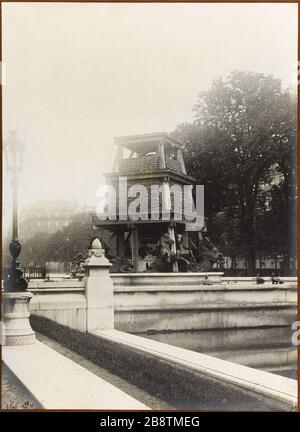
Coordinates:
<point>57,382</point>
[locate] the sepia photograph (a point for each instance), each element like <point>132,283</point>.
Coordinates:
<point>149,209</point>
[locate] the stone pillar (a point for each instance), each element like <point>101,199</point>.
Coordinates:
<point>16,329</point>
<point>98,290</point>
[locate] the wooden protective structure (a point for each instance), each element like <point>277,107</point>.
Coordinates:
<point>147,160</point>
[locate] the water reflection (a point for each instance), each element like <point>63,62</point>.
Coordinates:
<point>268,349</point>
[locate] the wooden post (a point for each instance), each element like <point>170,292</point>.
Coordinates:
<point>171,233</point>
<point>135,248</point>
<point>166,204</point>
<point>161,156</point>
<point>120,244</point>
<point>119,157</point>
<point>116,163</point>
<point>185,239</point>
<point>181,161</point>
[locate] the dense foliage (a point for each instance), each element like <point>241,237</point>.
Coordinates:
<point>242,147</point>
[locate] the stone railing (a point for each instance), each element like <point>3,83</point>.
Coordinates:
<point>82,305</point>
<point>190,301</point>
<point>164,301</point>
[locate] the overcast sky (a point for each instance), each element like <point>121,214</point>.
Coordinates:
<point>79,74</point>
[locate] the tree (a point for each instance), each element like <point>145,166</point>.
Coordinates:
<point>61,245</point>
<point>243,128</point>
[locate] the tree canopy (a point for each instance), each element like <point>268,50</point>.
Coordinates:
<point>241,147</point>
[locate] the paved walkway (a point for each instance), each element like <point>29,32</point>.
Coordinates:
<point>14,396</point>
<point>59,383</point>
<point>152,401</point>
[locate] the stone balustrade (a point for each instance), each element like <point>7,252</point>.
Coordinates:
<point>167,301</point>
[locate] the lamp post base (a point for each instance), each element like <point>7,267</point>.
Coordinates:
<point>16,329</point>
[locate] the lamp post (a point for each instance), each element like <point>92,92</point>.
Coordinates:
<point>16,298</point>
<point>14,149</point>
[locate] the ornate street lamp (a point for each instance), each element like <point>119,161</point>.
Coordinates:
<point>16,298</point>
<point>14,150</point>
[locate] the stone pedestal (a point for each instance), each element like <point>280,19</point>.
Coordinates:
<point>16,329</point>
<point>98,290</point>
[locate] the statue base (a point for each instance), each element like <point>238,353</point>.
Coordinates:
<point>16,328</point>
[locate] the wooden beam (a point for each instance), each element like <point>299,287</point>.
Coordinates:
<point>171,233</point>
<point>181,161</point>
<point>108,224</point>
<point>120,244</point>
<point>120,156</point>
<point>135,248</point>
<point>161,156</point>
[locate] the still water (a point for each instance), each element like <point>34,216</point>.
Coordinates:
<point>268,349</point>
